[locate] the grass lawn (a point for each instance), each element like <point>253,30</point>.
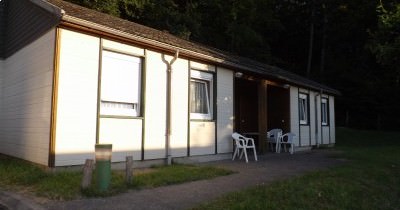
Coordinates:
<point>20,175</point>
<point>369,180</point>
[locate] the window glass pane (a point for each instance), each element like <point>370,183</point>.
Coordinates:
<point>120,84</point>
<point>199,97</point>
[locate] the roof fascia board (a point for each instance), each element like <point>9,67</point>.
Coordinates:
<point>49,7</point>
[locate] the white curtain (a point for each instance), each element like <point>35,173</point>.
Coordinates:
<point>199,101</point>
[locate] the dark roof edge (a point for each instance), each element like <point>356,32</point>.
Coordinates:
<point>49,7</point>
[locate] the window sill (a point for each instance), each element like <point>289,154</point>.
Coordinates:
<point>201,120</point>
<point>121,117</point>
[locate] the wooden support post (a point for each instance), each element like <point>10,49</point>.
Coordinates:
<point>87,174</point>
<point>129,169</point>
<point>262,116</point>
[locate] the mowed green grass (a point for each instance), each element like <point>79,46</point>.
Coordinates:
<point>370,179</point>
<point>20,175</point>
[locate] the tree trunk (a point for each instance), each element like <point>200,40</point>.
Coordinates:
<point>323,47</point>
<point>311,41</point>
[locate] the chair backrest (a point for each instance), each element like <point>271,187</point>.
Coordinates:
<point>274,134</point>
<point>288,137</point>
<point>237,137</point>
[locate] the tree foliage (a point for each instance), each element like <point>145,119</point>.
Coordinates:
<point>352,46</point>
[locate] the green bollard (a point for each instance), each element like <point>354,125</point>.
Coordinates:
<point>103,166</point>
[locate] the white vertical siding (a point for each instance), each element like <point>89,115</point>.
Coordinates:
<point>224,110</point>
<point>202,138</point>
<point>325,135</point>
<point>332,119</point>
<point>294,112</point>
<point>124,134</point>
<point>179,108</point>
<point>313,121</point>
<point>77,98</point>
<point>26,93</point>
<point>319,134</point>
<point>119,47</point>
<point>155,107</point>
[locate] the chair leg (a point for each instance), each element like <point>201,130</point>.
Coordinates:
<point>234,154</point>
<point>278,148</point>
<point>255,154</point>
<point>245,155</point>
<point>241,154</point>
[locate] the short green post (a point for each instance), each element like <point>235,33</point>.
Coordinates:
<point>103,166</point>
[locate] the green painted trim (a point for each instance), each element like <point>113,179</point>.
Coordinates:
<point>298,114</point>
<point>143,100</point>
<point>215,108</point>
<point>188,114</point>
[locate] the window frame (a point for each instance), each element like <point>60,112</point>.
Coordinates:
<point>136,107</point>
<point>325,101</point>
<point>304,97</point>
<point>206,78</point>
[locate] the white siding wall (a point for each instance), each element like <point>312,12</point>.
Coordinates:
<point>179,106</point>
<point>77,98</point>
<point>319,134</point>
<point>26,92</point>
<point>224,110</point>
<point>313,122</point>
<point>332,119</point>
<point>325,134</point>
<point>124,134</point>
<point>155,110</point>
<point>202,138</point>
<point>294,113</point>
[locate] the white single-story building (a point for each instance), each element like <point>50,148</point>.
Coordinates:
<point>71,77</point>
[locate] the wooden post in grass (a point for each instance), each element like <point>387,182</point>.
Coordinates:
<point>129,169</point>
<point>87,174</point>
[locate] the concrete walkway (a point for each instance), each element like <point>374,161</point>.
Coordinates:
<point>269,168</point>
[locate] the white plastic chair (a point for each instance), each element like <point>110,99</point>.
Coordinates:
<point>243,143</point>
<point>273,137</point>
<point>287,138</point>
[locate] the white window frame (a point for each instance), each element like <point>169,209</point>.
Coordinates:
<point>324,112</point>
<point>120,95</point>
<point>303,109</point>
<point>207,79</point>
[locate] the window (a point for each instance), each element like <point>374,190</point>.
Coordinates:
<point>120,84</point>
<point>201,95</point>
<point>303,108</point>
<point>324,111</point>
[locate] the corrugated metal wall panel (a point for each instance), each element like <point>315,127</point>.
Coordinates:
<point>25,22</point>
